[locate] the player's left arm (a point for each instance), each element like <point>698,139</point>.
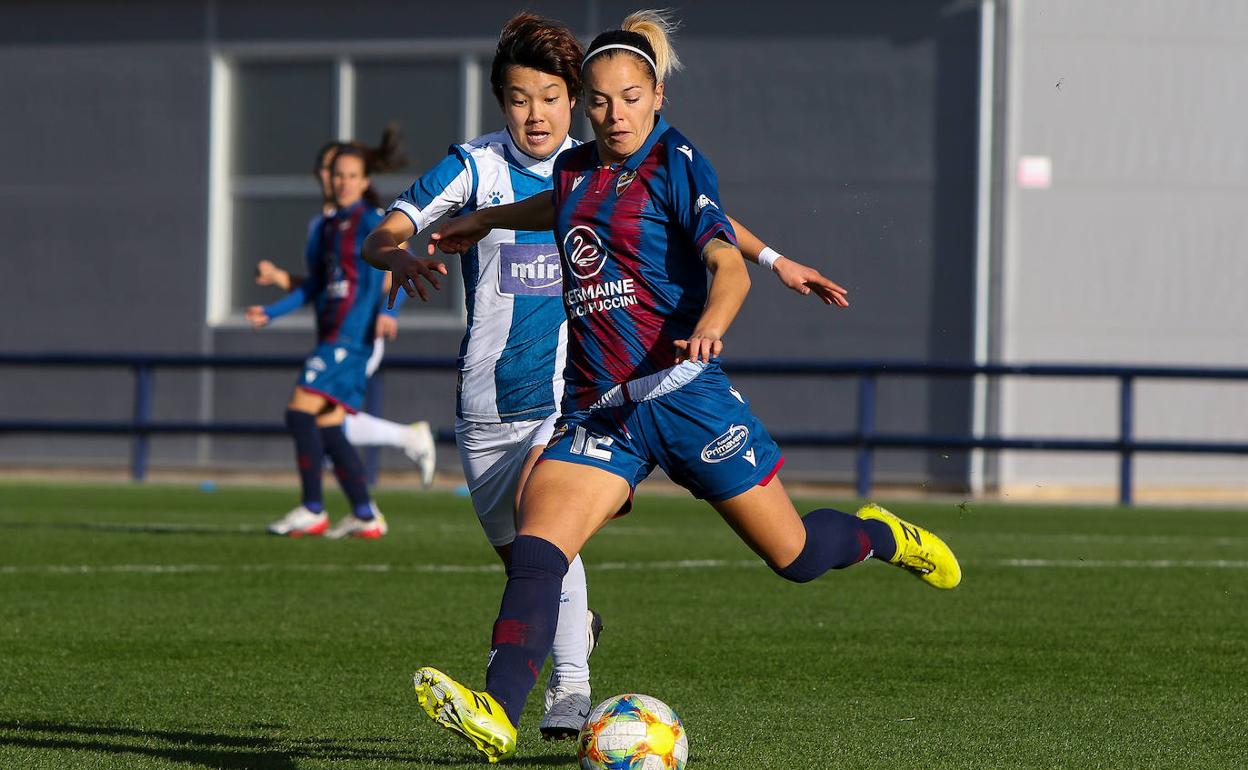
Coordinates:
<point>798,277</point>
<point>729,284</point>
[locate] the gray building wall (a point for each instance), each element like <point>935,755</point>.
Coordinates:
<point>844,134</point>
<point>1136,252</point>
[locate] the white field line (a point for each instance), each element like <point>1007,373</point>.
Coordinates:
<point>633,530</point>
<point>639,566</point>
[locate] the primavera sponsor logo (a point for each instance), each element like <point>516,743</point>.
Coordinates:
<point>586,254</point>
<point>727,445</point>
<point>530,269</point>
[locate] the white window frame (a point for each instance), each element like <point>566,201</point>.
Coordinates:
<point>471,54</point>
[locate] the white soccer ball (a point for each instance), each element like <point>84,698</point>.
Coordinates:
<point>633,732</point>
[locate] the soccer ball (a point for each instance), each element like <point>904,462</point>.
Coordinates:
<point>633,732</point>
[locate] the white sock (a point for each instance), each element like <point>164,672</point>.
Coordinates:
<point>570,654</point>
<point>366,430</point>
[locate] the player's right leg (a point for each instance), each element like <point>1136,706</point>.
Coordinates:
<point>497,459</point>
<point>564,504</point>
<point>309,517</point>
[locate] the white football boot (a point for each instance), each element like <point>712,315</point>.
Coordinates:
<point>350,526</point>
<point>567,705</point>
<point>299,522</point>
<point>420,449</point>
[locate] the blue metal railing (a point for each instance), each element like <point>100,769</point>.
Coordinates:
<point>865,438</point>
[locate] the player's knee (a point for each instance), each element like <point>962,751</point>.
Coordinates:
<point>534,556</point>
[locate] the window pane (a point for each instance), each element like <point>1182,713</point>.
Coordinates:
<point>275,229</point>
<point>283,112</point>
<point>424,97</point>
<point>491,115</point>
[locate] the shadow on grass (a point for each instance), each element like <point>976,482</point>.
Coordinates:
<point>139,529</point>
<point>222,750</point>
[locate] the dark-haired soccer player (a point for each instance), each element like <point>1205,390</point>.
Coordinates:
<point>638,221</point>
<point>348,295</point>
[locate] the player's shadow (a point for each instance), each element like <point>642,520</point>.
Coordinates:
<point>223,750</point>
<point>137,529</point>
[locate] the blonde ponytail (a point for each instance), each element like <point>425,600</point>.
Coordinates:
<point>658,28</point>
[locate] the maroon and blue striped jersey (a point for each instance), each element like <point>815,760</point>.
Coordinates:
<point>345,288</point>
<point>631,236</point>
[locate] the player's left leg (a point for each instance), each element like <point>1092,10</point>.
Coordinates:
<point>802,549</point>
<point>717,448</point>
<point>365,520</point>
<point>416,439</point>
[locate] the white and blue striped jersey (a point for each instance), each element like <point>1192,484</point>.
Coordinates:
<point>512,356</point>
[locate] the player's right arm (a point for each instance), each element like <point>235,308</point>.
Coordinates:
<point>269,274</point>
<point>456,236</point>
<point>306,290</point>
<point>384,249</point>
<point>447,187</point>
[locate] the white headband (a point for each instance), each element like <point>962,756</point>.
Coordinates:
<point>624,47</point>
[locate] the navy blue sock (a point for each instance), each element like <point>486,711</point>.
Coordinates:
<point>349,469</point>
<point>834,540</point>
<point>525,629</point>
<point>309,452</point>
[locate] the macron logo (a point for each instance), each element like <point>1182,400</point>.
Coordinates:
<point>577,182</point>
<point>702,203</point>
<point>684,150</point>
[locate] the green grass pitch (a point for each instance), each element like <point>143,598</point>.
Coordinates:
<point>158,627</point>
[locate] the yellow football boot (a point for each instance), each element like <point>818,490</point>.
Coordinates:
<point>918,551</point>
<point>473,715</point>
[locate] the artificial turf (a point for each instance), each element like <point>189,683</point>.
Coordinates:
<point>159,627</point>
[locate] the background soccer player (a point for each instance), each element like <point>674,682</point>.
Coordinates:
<point>639,223</point>
<point>347,293</point>
<point>362,428</point>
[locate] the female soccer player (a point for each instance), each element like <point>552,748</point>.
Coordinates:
<point>362,428</point>
<point>637,216</point>
<point>347,293</point>
<point>512,355</point>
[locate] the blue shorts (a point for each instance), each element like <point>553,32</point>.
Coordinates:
<point>703,435</point>
<point>337,372</point>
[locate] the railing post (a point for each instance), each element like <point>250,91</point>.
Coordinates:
<point>142,415</point>
<point>866,432</point>
<point>372,404</point>
<point>1126,416</point>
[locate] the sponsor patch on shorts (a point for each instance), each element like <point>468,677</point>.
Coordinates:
<point>727,444</point>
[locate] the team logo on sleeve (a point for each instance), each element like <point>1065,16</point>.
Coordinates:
<point>621,184</point>
<point>702,203</point>
<point>727,444</point>
<point>530,269</point>
<point>586,254</point>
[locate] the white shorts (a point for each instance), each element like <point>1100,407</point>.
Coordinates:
<point>493,455</point>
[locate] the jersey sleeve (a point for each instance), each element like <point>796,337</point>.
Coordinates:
<point>448,186</point>
<point>694,196</point>
<point>312,285</point>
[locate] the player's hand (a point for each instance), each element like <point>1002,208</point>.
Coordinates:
<point>269,274</point>
<point>804,280</point>
<point>701,346</point>
<point>457,235</point>
<point>387,327</point>
<point>409,272</point>
<point>256,316</point>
